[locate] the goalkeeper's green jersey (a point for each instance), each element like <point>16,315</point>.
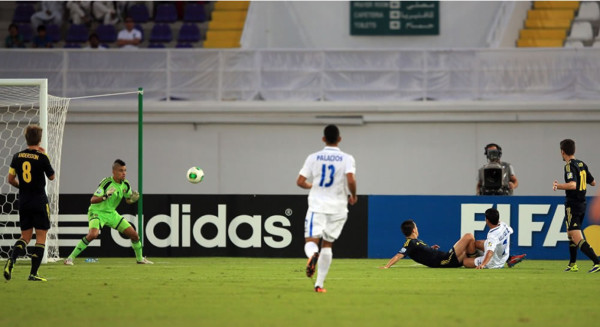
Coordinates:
<point>122,190</point>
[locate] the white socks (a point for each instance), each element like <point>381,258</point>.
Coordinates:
<point>310,248</point>
<point>323,265</point>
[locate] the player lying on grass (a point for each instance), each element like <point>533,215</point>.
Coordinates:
<point>496,248</point>
<point>464,251</point>
<point>102,211</point>
<point>431,256</point>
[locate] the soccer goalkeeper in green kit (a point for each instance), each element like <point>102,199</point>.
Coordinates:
<point>102,212</point>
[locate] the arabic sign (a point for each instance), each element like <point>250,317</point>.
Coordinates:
<point>394,18</point>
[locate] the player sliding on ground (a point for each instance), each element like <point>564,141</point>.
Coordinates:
<point>431,256</point>
<point>464,250</point>
<point>102,211</point>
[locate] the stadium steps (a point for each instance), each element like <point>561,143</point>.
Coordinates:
<point>547,24</point>
<point>226,24</point>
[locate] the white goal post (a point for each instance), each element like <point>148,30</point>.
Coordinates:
<point>24,102</point>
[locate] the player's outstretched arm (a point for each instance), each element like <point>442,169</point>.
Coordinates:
<point>393,261</point>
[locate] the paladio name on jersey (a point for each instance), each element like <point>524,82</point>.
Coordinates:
<point>332,157</point>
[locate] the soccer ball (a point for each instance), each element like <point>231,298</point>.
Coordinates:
<point>195,175</point>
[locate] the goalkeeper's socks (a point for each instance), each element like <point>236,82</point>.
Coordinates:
<point>36,258</point>
<point>323,264</point>
<point>587,250</point>
<point>82,245</point>
<point>137,248</point>
<point>572,252</point>
<point>18,249</point>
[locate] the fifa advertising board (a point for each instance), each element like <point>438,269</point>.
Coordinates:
<point>537,221</point>
<point>211,225</point>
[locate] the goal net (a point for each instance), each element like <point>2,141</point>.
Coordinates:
<point>25,102</point>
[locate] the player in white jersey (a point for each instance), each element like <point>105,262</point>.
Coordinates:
<point>332,186</point>
<point>496,248</point>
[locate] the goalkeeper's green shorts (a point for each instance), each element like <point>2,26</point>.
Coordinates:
<point>100,219</point>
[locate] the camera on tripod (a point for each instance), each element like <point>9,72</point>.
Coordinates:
<point>495,175</point>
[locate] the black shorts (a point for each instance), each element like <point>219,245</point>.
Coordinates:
<point>450,260</point>
<point>38,218</point>
<point>574,214</point>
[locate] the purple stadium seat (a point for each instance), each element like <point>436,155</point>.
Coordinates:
<point>77,33</point>
<point>184,45</point>
<point>23,13</point>
<point>194,12</point>
<point>72,46</point>
<point>161,33</point>
<point>107,33</point>
<point>139,28</point>
<point>139,13</point>
<point>166,13</point>
<point>26,31</point>
<point>156,46</point>
<point>189,32</point>
<point>53,32</point>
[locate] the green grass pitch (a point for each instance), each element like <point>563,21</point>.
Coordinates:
<point>275,292</point>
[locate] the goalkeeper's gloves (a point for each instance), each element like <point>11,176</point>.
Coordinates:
<point>108,194</point>
<point>135,196</point>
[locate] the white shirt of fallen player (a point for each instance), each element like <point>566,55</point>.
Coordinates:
<point>328,196</point>
<point>498,241</point>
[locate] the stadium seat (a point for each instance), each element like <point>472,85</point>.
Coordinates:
<point>107,33</point>
<point>189,32</point>
<point>581,31</point>
<point>194,12</point>
<point>72,46</point>
<point>23,13</point>
<point>139,13</point>
<point>77,33</point>
<point>156,46</point>
<point>588,11</point>
<point>184,45</point>
<point>166,13</point>
<point>161,33</point>
<point>139,28</point>
<point>53,32</point>
<point>26,31</point>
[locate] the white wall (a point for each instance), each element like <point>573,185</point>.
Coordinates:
<point>326,25</point>
<point>393,157</point>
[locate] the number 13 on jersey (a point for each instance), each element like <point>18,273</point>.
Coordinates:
<point>324,169</point>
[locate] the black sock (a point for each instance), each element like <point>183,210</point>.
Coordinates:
<point>587,250</point>
<point>18,249</point>
<point>36,257</point>
<point>572,253</point>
